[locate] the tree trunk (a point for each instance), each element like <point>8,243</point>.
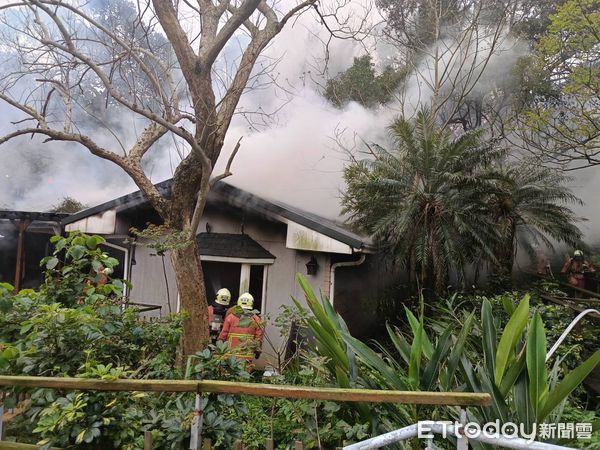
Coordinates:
<point>192,295</point>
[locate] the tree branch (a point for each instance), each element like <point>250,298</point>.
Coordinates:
<point>209,52</point>
<point>227,171</point>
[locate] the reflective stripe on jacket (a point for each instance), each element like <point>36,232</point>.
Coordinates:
<point>243,332</point>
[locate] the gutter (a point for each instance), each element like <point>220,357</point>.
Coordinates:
<point>334,266</point>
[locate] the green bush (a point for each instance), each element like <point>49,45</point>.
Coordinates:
<point>503,355</point>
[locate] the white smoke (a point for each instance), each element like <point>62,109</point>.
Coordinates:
<point>295,159</point>
<point>299,162</point>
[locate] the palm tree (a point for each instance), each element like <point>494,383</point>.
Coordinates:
<point>425,201</point>
<point>436,203</point>
<point>530,206</point>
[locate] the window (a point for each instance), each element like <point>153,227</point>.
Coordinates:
<point>237,277</point>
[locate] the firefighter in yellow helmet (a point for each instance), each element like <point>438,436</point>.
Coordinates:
<point>243,329</point>
<point>576,268</point>
<point>217,312</point>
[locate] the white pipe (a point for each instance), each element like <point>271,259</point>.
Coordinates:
<point>402,434</point>
<point>412,431</point>
<point>501,441</point>
<point>334,266</point>
<point>562,337</point>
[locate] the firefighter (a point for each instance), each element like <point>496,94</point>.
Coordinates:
<point>576,268</point>
<point>217,312</point>
<point>243,330</point>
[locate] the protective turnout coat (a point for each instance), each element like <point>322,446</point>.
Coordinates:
<point>243,330</point>
<point>216,317</point>
<point>576,270</point>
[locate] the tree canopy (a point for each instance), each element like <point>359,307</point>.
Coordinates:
<point>360,83</point>
<point>116,78</point>
<point>562,123</point>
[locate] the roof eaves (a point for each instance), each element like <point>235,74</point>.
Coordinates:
<point>281,210</point>
<point>242,199</point>
<point>126,201</point>
<point>32,215</point>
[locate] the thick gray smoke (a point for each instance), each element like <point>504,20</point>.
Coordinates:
<point>293,157</point>
<point>586,185</point>
<point>299,162</point>
<point>36,175</point>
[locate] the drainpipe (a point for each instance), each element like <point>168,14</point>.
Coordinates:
<point>334,266</point>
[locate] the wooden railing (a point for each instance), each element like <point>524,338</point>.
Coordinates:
<point>256,389</point>
<point>463,399</point>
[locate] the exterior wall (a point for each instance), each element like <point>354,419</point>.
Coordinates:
<point>282,286</point>
<point>281,276</point>
<point>357,289</point>
<point>149,283</point>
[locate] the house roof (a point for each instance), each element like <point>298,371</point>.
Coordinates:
<point>120,203</point>
<point>278,210</point>
<point>245,200</point>
<point>231,246</point>
<point>31,215</point>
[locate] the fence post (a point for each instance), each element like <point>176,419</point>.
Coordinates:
<point>269,445</point>
<point>1,419</point>
<point>299,446</point>
<point>238,445</point>
<point>2,430</point>
<point>462,443</point>
<point>147,440</point>
<point>196,431</point>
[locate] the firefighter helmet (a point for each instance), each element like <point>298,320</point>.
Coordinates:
<point>578,253</point>
<point>223,297</point>
<point>246,301</point>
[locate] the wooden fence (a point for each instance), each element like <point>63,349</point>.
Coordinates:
<point>206,445</point>
<point>256,389</point>
<point>462,399</point>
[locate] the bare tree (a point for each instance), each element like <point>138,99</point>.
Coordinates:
<point>73,71</point>
<point>449,46</point>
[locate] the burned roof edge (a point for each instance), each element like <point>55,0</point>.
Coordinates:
<point>33,215</point>
<point>125,201</point>
<point>243,199</point>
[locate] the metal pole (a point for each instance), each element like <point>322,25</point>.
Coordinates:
<point>444,429</point>
<point>196,431</point>
<point>1,421</point>
<point>568,330</point>
<point>388,438</point>
<point>147,440</point>
<point>499,440</point>
<point>19,264</point>
<point>462,443</point>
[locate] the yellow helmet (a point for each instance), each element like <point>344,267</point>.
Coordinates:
<point>577,253</point>
<point>223,297</point>
<point>246,301</point>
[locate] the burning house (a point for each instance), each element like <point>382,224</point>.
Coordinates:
<point>246,243</point>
